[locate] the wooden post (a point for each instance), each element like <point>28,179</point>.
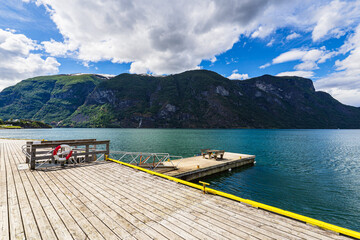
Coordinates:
<point>87,153</point>
<point>108,149</point>
<point>94,156</point>
<point>32,158</point>
<point>28,148</point>
<point>76,159</point>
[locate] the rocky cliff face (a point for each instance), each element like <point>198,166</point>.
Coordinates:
<point>193,99</point>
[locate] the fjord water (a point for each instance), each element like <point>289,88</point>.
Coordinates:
<point>311,172</point>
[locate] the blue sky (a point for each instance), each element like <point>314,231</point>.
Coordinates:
<point>236,38</point>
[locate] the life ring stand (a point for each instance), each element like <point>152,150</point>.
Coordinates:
<point>65,149</point>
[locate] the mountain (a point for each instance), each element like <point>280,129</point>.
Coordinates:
<point>192,99</point>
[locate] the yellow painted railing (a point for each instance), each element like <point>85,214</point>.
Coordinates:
<point>296,216</point>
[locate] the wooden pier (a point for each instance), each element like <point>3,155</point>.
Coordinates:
<point>105,200</point>
<point>197,167</point>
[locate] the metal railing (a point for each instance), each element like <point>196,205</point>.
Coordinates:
<point>146,159</point>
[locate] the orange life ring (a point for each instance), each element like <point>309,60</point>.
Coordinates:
<point>56,153</point>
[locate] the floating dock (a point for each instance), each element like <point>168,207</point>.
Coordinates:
<point>197,167</point>
<point>107,200</point>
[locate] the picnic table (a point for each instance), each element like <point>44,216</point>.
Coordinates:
<point>212,153</point>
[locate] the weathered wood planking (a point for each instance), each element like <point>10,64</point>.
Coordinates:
<point>110,201</point>
<point>49,205</point>
<point>4,210</point>
<point>29,221</point>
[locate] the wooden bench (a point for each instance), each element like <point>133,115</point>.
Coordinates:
<point>218,154</point>
<point>204,152</point>
<point>213,153</point>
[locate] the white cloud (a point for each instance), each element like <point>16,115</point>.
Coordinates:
<point>310,58</point>
<point>269,44</point>
<point>59,49</point>
<point>265,65</point>
<point>293,36</point>
<point>163,37</point>
<point>238,76</point>
<point>18,60</point>
<point>86,64</point>
<point>308,65</point>
<point>344,83</point>
<point>346,96</point>
<point>333,19</point>
<point>213,59</point>
<point>262,31</point>
<point>304,74</point>
<point>292,55</point>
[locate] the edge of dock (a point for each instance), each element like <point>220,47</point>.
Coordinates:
<point>298,217</point>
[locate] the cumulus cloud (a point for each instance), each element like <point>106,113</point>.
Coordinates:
<point>238,76</point>
<point>167,37</point>
<point>310,58</point>
<point>19,60</point>
<point>59,49</point>
<point>161,37</point>
<point>304,74</point>
<point>293,36</point>
<point>292,55</point>
<point>344,83</point>
<point>262,31</point>
<point>333,19</point>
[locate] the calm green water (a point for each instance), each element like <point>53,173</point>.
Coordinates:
<point>312,172</point>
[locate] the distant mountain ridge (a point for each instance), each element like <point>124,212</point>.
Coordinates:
<point>192,99</point>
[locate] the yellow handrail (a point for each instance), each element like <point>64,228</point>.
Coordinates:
<point>296,216</point>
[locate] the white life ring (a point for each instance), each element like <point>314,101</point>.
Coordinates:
<point>65,150</point>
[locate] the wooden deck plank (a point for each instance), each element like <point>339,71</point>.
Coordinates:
<point>56,208</point>
<point>15,220</point>
<point>4,210</point>
<point>309,236</point>
<point>183,204</point>
<point>117,217</point>
<point>299,226</point>
<point>341,237</point>
<point>162,194</point>
<point>251,211</point>
<point>72,226</point>
<point>245,221</point>
<point>30,226</point>
<point>144,198</point>
<point>70,214</point>
<point>165,196</point>
<point>57,225</point>
<point>260,215</point>
<point>288,224</point>
<point>78,209</point>
<point>97,206</point>
<point>107,200</point>
<point>154,202</point>
<point>109,193</point>
<point>133,214</point>
<point>129,199</point>
<point>225,226</point>
<point>43,223</point>
<point>65,198</point>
